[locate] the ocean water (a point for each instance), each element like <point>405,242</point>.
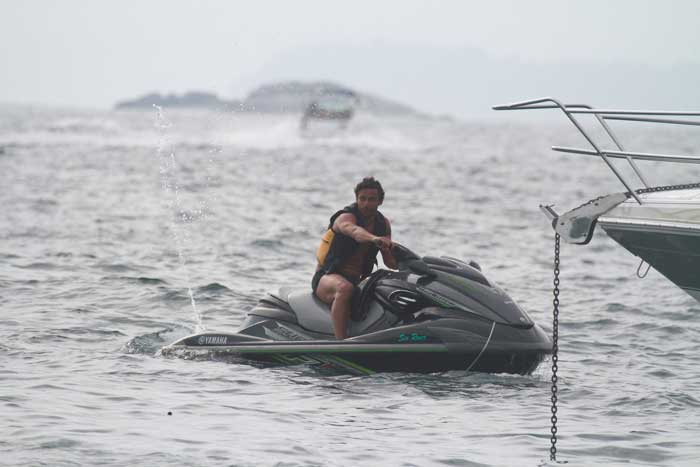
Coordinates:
<point>123,231</point>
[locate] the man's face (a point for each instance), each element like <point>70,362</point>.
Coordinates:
<point>368,201</point>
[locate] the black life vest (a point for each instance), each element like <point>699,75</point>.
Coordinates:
<point>336,247</point>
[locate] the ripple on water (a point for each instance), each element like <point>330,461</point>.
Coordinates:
<point>39,265</point>
<point>173,295</point>
<point>116,267</point>
<point>152,342</point>
<point>682,400</point>
<point>614,453</point>
<point>267,244</point>
<point>661,373</point>
<point>9,256</point>
<point>140,280</point>
<point>59,443</point>
<point>214,287</point>
<point>81,331</point>
<point>213,292</point>
<point>672,330</point>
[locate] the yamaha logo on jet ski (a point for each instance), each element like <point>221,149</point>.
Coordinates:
<point>212,340</point>
<point>433,314</point>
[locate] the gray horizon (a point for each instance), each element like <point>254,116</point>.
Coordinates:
<point>459,58</point>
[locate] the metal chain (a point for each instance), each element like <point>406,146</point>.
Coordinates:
<point>555,349</point>
<point>555,320</point>
<point>686,186</point>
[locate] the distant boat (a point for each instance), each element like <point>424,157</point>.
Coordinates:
<point>337,105</point>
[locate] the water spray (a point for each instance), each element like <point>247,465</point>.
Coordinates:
<point>181,236</point>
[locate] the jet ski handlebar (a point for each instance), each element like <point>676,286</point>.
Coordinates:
<point>401,253</point>
<point>406,259</point>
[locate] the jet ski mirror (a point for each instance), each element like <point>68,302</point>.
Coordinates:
<point>402,254</point>
<point>419,267</point>
<point>404,258</point>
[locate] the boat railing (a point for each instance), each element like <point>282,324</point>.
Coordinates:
<point>602,116</point>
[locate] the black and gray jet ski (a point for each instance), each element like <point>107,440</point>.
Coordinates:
<point>433,314</point>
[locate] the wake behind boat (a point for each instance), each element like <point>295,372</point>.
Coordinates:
<point>433,314</point>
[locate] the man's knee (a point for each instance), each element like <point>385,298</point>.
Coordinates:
<point>327,289</point>
<point>344,289</point>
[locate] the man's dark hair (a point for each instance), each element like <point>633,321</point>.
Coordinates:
<point>372,184</point>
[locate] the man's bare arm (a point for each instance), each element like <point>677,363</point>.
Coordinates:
<point>387,256</point>
<point>346,224</point>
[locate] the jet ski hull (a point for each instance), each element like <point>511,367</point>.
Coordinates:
<point>415,348</point>
<point>432,315</point>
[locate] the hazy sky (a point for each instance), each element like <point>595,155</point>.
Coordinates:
<point>93,53</point>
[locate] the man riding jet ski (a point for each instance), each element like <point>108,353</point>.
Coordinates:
<point>432,314</point>
<point>348,251</point>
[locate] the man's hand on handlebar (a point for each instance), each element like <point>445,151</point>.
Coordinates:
<point>382,243</point>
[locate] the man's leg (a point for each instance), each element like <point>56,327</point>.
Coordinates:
<point>337,291</point>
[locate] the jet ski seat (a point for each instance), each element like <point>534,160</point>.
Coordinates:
<point>314,315</point>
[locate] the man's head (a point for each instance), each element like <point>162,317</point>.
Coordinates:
<point>369,195</point>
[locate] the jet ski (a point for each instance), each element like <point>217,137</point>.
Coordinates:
<point>433,314</point>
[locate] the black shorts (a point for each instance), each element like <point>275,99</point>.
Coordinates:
<point>316,279</point>
<point>320,273</point>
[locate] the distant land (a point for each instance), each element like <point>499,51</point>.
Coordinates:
<point>279,97</point>
<point>467,82</point>
<point>459,81</point>
<point>192,99</point>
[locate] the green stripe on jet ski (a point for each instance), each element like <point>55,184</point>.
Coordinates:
<point>349,365</point>
<point>333,360</point>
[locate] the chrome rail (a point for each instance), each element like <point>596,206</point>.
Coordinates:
<point>602,115</point>
<point>644,156</point>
